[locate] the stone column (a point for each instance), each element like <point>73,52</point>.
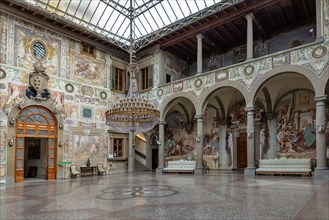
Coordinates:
<point>319,19</point>
<point>131,152</point>
<point>161,147</point>
<point>250,170</point>
<point>250,37</point>
<point>321,169</point>
<point>199,57</point>
<point>199,147</point>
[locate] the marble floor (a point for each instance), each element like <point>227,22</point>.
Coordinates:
<point>170,196</point>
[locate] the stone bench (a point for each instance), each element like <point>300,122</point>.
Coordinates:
<point>285,166</point>
<point>180,166</point>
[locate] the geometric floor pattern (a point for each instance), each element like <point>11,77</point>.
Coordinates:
<point>170,196</point>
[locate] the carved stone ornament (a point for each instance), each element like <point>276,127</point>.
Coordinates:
<point>38,81</point>
<point>250,133</point>
<point>249,70</point>
<point>321,129</point>
<point>69,87</point>
<point>11,142</point>
<point>319,52</point>
<point>160,92</point>
<point>103,95</point>
<point>61,126</point>
<point>2,74</point>
<point>198,83</point>
<point>12,121</point>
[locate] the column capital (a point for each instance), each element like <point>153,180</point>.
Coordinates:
<point>249,109</point>
<point>162,122</point>
<point>320,98</point>
<point>199,36</point>
<point>198,116</point>
<point>250,16</point>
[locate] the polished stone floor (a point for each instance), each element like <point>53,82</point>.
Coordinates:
<point>170,196</point>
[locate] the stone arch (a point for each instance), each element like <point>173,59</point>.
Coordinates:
<point>29,102</point>
<point>167,104</point>
<point>233,84</point>
<point>322,82</point>
<point>300,70</point>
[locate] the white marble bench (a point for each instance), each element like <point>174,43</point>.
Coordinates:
<point>285,166</point>
<point>180,166</point>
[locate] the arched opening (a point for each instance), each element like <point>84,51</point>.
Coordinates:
<point>289,126</point>
<point>154,140</point>
<point>180,130</point>
<point>36,144</point>
<point>141,151</point>
<point>225,134</point>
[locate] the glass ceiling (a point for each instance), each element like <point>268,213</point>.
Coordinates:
<point>131,24</point>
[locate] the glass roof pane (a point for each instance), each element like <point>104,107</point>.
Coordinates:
<point>63,5</point>
<point>110,17</point>
<point>178,12</point>
<point>98,14</point>
<point>82,9</point>
<point>163,15</point>
<point>72,8</point>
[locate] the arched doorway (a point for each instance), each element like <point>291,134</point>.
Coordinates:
<point>36,132</point>
<point>155,150</point>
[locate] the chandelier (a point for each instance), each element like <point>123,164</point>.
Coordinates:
<point>132,113</point>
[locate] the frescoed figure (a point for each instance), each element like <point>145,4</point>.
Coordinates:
<point>295,132</point>
<point>229,146</point>
<point>14,95</point>
<point>74,112</point>
<point>264,136</point>
<point>214,143</point>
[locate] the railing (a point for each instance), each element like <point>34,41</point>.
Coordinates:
<point>243,63</point>
<point>312,56</point>
<point>140,154</point>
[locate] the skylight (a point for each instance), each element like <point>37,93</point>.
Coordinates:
<point>130,22</point>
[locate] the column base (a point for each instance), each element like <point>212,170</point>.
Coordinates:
<point>199,171</point>
<point>10,180</point>
<point>130,171</point>
<point>321,173</point>
<point>158,170</point>
<point>250,171</point>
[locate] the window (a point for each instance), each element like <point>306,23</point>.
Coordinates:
<point>168,78</point>
<point>118,147</point>
<point>146,78</point>
<point>86,112</point>
<point>118,76</point>
<point>87,50</point>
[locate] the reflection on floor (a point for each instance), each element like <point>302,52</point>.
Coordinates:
<point>170,196</point>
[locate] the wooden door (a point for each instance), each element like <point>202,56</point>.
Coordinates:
<point>36,122</point>
<point>51,159</point>
<point>19,160</point>
<point>242,151</point>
